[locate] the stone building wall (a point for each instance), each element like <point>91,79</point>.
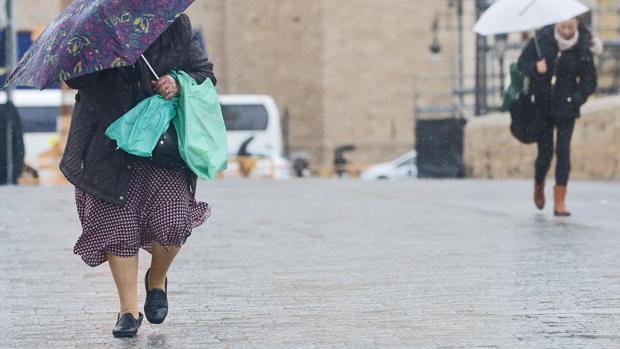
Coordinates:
<point>343,70</point>
<point>491,152</point>
<point>371,53</point>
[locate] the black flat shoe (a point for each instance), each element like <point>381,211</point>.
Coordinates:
<point>127,325</point>
<point>156,304</point>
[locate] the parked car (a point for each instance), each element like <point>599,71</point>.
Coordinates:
<point>402,167</point>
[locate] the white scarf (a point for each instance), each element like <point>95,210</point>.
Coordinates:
<point>565,44</point>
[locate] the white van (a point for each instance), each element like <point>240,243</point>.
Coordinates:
<point>253,119</point>
<point>254,129</point>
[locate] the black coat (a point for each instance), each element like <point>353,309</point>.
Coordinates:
<point>576,76</point>
<point>91,161</point>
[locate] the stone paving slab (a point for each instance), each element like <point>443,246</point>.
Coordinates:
<point>334,264</point>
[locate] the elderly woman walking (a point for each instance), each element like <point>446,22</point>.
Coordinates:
<point>124,202</point>
<point>560,82</point>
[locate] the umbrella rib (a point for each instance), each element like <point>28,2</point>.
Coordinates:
<point>527,8</point>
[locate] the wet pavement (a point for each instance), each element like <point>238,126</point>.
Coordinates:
<point>334,264</point>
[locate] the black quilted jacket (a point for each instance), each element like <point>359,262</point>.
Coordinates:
<point>91,161</point>
<point>575,80</point>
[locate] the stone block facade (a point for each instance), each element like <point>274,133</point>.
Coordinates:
<point>342,72</point>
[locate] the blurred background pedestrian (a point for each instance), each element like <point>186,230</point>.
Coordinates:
<point>561,76</point>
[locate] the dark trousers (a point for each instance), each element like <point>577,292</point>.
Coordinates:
<point>565,129</point>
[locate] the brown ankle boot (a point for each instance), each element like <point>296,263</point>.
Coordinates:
<point>560,202</point>
<point>539,195</point>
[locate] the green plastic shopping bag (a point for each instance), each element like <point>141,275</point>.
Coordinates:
<point>138,131</point>
<point>200,127</point>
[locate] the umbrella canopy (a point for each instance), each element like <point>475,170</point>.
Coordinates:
<point>508,16</point>
<point>344,148</point>
<point>93,35</point>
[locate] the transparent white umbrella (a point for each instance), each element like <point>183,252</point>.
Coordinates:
<point>509,16</point>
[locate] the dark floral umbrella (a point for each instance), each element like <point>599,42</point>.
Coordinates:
<point>93,35</point>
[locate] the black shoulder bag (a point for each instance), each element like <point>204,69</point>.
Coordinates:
<point>526,120</point>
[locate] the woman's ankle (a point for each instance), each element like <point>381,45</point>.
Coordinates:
<point>156,282</point>
<point>134,312</point>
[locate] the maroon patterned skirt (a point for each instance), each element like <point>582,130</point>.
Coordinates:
<point>160,207</point>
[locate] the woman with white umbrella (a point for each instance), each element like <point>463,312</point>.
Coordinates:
<point>559,64</point>
<point>561,78</point>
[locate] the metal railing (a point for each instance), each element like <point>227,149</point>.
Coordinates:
<point>484,96</point>
<point>451,101</point>
<point>438,95</point>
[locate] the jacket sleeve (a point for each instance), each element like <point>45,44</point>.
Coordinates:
<point>527,61</point>
<point>83,81</point>
<point>197,64</point>
<point>588,79</point>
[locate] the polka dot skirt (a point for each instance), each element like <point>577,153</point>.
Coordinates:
<point>159,207</point>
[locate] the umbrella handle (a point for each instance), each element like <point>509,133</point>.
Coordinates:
<point>150,67</point>
<point>536,43</point>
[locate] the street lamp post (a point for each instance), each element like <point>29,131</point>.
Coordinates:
<point>461,53</point>
<point>500,45</point>
<point>481,64</point>
<point>460,60</point>
<point>435,47</point>
<point>11,56</point>
<point>10,44</point>
<point>66,110</point>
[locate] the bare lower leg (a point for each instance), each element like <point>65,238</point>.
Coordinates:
<point>125,273</point>
<point>160,263</point>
